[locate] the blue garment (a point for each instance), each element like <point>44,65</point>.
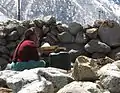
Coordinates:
<point>20,66</point>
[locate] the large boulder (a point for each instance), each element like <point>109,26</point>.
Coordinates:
<point>42,80</point>
<point>23,82</point>
<point>82,87</point>
<point>21,29</point>
<point>61,28</point>
<point>95,46</point>
<point>3,42</point>
<point>13,36</point>
<point>10,27</point>
<point>109,33</point>
<point>4,50</point>
<point>98,55</point>
<point>110,77</point>
<point>65,37</point>
<point>42,86</point>
<point>3,63</point>
<point>81,37</point>
<point>17,81</point>
<point>114,54</point>
<point>4,75</point>
<point>58,77</point>
<point>74,28</point>
<point>84,69</point>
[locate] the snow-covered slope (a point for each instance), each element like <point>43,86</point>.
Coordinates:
<point>82,11</point>
<point>3,17</point>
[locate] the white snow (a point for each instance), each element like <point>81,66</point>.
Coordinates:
<point>82,11</point>
<point>3,17</point>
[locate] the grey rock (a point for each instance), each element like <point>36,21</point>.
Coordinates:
<point>3,42</point>
<point>56,76</point>
<point>117,63</point>
<point>45,30</point>
<point>54,30</point>
<point>74,28</point>
<point>53,37</point>
<point>4,50</point>
<point>75,53</point>
<point>98,55</point>
<point>13,36</point>
<point>4,75</point>
<point>2,34</point>
<point>114,54</point>
<point>62,28</point>
<point>81,87</point>
<point>26,23</point>
<point>117,56</point>
<point>69,46</point>
<point>92,33</point>
<point>5,57</point>
<point>109,33</point>
<point>104,61</point>
<point>10,27</point>
<point>50,20</point>
<point>17,81</point>
<point>42,86</point>
<point>21,29</point>
<point>11,45</point>
<point>81,38</point>
<point>65,37</point>
<point>39,23</point>
<point>94,46</point>
<point>98,23</point>
<point>84,69</point>
<point>110,77</point>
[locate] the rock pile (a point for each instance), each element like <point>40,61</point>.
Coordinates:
<point>93,50</point>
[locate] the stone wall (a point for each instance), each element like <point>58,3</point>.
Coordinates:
<point>98,40</point>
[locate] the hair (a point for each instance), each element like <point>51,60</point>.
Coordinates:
<point>28,33</point>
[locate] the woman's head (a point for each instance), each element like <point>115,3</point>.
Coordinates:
<point>30,34</point>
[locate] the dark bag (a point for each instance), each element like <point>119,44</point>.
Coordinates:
<point>60,60</point>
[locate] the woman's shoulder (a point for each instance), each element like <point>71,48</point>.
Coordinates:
<point>28,43</point>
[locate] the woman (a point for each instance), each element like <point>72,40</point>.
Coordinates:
<point>26,55</point>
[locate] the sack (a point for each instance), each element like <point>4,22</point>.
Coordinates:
<point>60,60</point>
<point>20,66</point>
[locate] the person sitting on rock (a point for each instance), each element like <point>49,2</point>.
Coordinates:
<point>26,53</point>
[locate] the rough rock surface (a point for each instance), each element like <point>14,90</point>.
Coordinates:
<point>110,77</point>
<point>96,46</point>
<point>81,87</point>
<point>109,33</point>
<point>84,69</point>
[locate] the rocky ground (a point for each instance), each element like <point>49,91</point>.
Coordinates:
<point>94,50</point>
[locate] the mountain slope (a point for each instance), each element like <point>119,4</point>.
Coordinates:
<point>82,11</point>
